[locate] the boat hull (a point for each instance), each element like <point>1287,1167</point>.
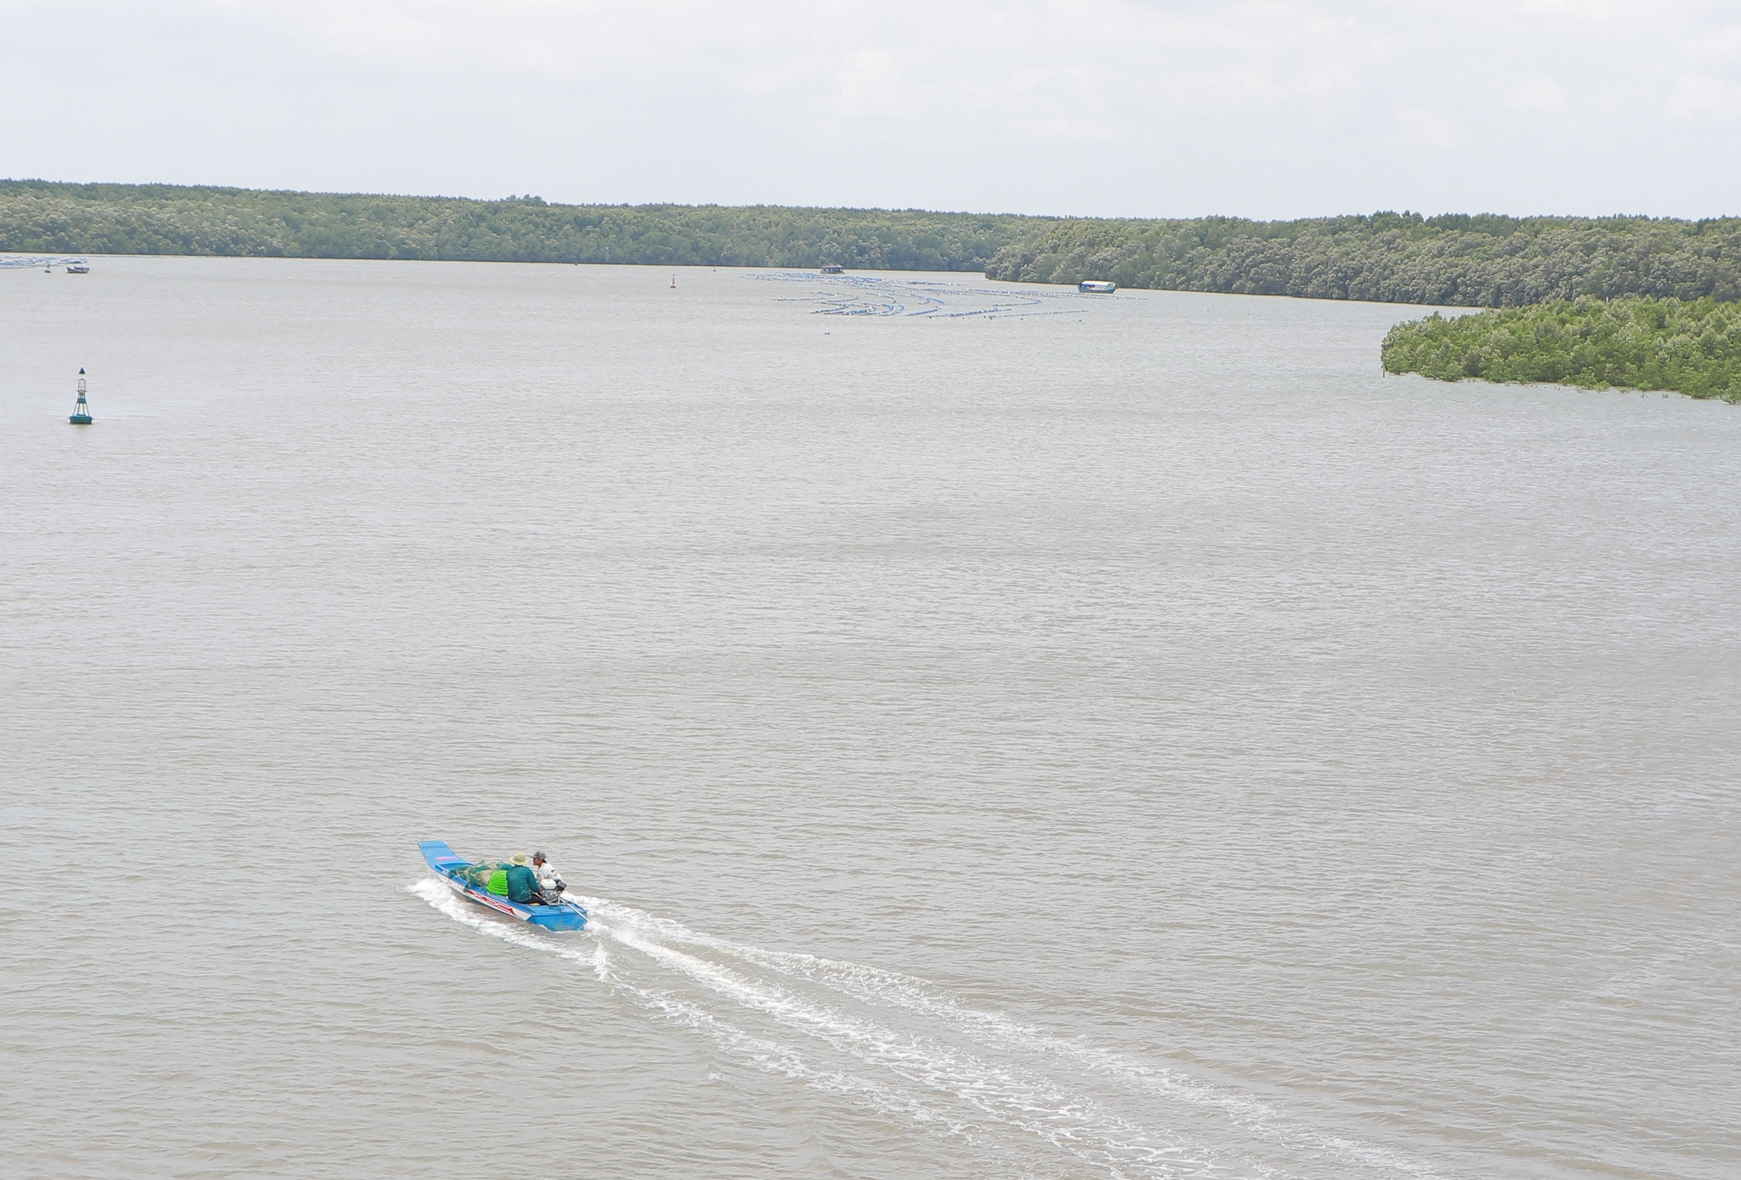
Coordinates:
<point>446,865</point>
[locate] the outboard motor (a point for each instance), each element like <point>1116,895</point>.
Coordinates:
<point>553,895</point>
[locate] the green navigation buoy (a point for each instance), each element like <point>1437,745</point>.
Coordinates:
<point>81,415</point>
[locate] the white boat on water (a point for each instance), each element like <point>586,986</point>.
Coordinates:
<point>1096,287</point>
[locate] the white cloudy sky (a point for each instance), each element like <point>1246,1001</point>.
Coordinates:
<point>1272,108</point>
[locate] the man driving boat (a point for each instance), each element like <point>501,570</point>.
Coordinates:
<point>549,880</point>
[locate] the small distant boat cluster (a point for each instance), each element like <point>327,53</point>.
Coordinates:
<point>74,266</point>
<point>1096,287</point>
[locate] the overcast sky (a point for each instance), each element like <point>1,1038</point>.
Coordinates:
<point>1098,107</point>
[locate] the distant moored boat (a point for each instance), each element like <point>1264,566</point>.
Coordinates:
<point>78,268</point>
<point>833,269</point>
<point>1096,287</point>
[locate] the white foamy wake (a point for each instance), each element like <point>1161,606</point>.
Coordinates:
<point>763,1053</point>
<point>897,1044</point>
<point>997,1029</point>
<point>998,1092</point>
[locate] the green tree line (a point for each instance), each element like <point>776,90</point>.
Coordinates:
<point>41,216</point>
<point>1559,269</point>
<point>1693,346</point>
<point>1455,260</point>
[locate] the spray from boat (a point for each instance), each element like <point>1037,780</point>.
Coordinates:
<point>903,1046</point>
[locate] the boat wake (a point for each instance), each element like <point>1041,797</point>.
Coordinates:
<point>902,1046</point>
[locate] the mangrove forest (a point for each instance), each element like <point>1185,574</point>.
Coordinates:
<point>1454,260</point>
<point>1639,302</point>
<point>1692,346</point>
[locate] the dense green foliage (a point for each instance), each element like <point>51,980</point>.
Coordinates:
<point>39,216</point>
<point>1691,346</point>
<point>1402,258</point>
<point>1483,261</point>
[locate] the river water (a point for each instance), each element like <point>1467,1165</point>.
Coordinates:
<point>1001,732</point>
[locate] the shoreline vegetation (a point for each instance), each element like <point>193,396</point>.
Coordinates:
<point>41,216</point>
<point>1449,261</point>
<point>1455,260</point>
<point>1560,271</point>
<point>1688,346</point>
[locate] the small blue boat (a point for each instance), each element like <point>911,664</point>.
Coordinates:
<point>563,915</point>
